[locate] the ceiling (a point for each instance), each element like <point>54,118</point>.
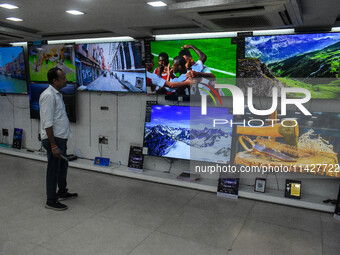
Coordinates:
<point>47,19</point>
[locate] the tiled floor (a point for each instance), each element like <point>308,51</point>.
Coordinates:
<point>115,215</point>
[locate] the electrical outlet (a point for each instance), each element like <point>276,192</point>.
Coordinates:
<point>103,139</point>
<point>4,132</point>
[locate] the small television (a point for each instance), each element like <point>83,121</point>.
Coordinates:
<point>69,97</point>
<point>309,61</point>
<point>115,67</point>
<point>46,56</point>
<point>12,71</point>
<point>181,132</point>
<point>219,66</point>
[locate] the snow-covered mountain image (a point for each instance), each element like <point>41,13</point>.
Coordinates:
<point>191,137</point>
<point>270,49</point>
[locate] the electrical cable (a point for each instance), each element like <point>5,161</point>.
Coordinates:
<point>171,161</point>
<point>23,108</point>
<point>277,182</point>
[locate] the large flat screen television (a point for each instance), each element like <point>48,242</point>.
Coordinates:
<point>12,70</point>
<point>309,61</point>
<point>69,97</point>
<point>181,132</point>
<point>218,57</point>
<point>116,67</point>
<point>44,57</point>
<point>298,143</point>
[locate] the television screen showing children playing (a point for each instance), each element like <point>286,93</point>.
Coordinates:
<point>186,65</point>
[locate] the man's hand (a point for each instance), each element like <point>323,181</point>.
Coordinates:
<point>170,73</point>
<point>56,152</point>
<point>192,74</point>
<point>187,46</point>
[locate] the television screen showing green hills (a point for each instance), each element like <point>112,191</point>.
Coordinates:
<point>309,61</point>
<point>220,52</point>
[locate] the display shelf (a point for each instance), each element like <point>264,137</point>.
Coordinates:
<point>277,196</point>
<point>274,196</point>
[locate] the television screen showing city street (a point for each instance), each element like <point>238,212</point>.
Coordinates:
<point>116,67</point>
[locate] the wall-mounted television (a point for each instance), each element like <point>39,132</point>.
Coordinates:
<point>116,67</point>
<point>44,57</point>
<point>217,64</point>
<point>296,143</point>
<point>12,70</point>
<point>309,61</point>
<point>181,132</point>
<point>69,97</point>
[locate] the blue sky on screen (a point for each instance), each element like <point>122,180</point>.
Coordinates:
<point>7,54</point>
<point>184,116</point>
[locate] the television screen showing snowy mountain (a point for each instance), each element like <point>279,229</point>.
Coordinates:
<point>309,61</point>
<point>182,132</point>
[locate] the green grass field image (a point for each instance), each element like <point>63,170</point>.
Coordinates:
<point>221,55</point>
<point>42,74</point>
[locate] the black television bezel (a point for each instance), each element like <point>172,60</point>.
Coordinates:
<point>232,135</point>
<point>72,118</point>
<point>25,61</point>
<point>142,41</point>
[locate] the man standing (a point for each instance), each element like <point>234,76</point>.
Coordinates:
<point>55,130</point>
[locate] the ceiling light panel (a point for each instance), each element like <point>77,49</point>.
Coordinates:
<point>8,6</point>
<point>157,4</point>
<point>75,12</point>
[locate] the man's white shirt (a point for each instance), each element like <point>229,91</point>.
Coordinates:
<point>53,114</point>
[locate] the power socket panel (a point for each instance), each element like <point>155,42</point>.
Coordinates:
<point>4,132</point>
<point>103,139</point>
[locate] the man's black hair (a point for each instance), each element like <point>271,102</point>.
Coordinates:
<point>164,55</point>
<point>184,52</point>
<point>53,74</point>
<point>181,62</point>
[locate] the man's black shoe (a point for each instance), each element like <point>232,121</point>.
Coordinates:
<point>55,206</point>
<point>67,196</point>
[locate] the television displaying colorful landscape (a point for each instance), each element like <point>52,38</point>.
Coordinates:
<point>309,61</point>
<point>182,132</point>
<point>12,70</point>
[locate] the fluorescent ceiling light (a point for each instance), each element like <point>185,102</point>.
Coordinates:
<point>19,44</point>
<point>157,4</point>
<point>14,19</point>
<point>94,40</point>
<point>8,6</point>
<point>75,12</point>
<point>195,36</point>
<point>274,32</point>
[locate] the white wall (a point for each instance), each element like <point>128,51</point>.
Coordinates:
<point>123,123</point>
